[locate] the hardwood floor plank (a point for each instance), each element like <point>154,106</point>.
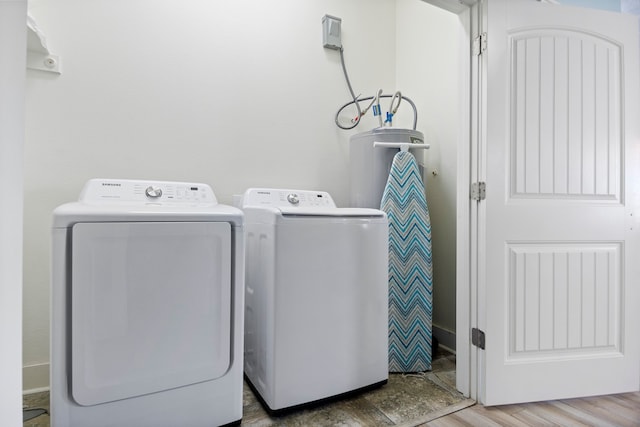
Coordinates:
<point>598,407</point>
<point>631,396</point>
<point>492,417</point>
<point>628,400</point>
<point>477,418</point>
<point>502,414</point>
<point>509,409</point>
<point>530,418</point>
<point>452,420</point>
<point>612,404</point>
<point>582,416</point>
<point>555,415</point>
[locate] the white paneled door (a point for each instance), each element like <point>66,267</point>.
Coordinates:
<point>559,264</point>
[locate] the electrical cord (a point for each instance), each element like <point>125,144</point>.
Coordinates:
<point>356,101</point>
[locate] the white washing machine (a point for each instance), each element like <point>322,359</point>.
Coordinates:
<point>316,300</point>
<point>147,307</point>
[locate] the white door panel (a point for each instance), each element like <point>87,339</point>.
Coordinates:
<point>558,290</point>
<point>565,122</point>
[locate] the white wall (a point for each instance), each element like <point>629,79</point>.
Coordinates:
<point>427,71</point>
<point>13,53</point>
<point>231,93</point>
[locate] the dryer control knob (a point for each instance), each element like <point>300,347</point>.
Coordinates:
<point>153,192</point>
<point>293,199</point>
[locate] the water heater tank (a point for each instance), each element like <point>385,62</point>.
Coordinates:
<point>369,165</point>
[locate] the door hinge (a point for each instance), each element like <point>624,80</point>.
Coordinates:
<point>480,44</point>
<point>477,338</point>
<point>478,191</point>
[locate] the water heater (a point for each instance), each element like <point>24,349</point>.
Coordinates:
<point>370,165</point>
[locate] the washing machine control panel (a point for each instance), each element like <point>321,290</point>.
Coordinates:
<point>291,198</point>
<point>144,192</point>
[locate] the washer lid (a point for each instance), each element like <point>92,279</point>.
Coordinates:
<point>264,204</point>
<point>330,212</point>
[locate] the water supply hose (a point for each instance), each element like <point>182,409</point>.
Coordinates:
<point>356,101</point>
<point>368,98</point>
<point>392,110</point>
<point>355,120</point>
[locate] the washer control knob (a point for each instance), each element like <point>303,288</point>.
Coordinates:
<point>153,192</point>
<point>293,199</point>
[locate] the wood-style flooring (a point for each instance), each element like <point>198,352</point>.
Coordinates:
<point>602,411</point>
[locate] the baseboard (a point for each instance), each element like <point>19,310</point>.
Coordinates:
<point>35,378</point>
<point>446,338</point>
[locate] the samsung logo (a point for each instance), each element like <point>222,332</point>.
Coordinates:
<point>110,184</point>
<point>264,192</point>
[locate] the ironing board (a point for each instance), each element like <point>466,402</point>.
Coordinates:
<point>410,267</point>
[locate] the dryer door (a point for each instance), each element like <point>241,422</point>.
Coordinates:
<point>150,307</point>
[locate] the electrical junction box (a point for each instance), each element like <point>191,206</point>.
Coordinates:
<point>331,32</point>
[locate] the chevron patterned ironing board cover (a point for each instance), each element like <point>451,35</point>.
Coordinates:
<point>410,267</point>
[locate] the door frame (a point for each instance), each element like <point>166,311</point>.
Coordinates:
<point>466,211</point>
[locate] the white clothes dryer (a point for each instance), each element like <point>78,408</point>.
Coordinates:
<point>316,301</point>
<point>147,307</point>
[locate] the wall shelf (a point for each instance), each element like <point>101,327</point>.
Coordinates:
<point>38,55</point>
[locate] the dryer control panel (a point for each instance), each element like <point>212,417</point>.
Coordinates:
<point>145,192</point>
<point>290,198</point>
